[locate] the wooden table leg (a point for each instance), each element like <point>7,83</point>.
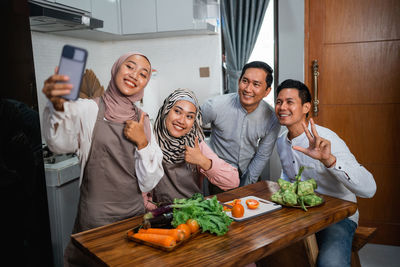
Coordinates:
<point>310,243</point>
<point>303,253</point>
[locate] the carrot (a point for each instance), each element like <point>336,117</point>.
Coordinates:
<point>177,234</point>
<point>162,240</point>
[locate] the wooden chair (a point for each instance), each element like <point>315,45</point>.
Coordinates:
<point>361,237</point>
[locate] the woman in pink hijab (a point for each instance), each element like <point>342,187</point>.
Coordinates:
<point>112,137</point>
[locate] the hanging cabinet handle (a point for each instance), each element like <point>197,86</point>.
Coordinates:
<point>315,76</point>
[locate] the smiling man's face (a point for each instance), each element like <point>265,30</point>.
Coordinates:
<point>289,108</point>
<point>253,88</point>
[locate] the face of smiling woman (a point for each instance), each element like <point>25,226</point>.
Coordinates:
<point>180,118</point>
<point>133,75</point>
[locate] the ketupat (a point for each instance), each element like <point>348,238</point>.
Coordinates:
<point>301,200</point>
<point>286,185</point>
<point>277,197</point>
<point>314,183</point>
<point>298,192</point>
<point>305,188</point>
<point>289,198</point>
<point>312,200</point>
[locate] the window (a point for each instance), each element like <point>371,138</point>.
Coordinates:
<point>264,48</point>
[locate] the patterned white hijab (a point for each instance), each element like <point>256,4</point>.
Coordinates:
<point>174,148</point>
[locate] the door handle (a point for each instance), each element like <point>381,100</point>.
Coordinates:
<point>315,77</point>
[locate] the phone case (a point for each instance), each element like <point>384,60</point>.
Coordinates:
<point>72,63</point>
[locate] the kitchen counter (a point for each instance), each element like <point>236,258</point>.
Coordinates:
<point>245,242</point>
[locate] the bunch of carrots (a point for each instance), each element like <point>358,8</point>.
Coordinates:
<point>167,238</point>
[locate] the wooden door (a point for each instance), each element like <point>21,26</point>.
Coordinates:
<point>357,45</point>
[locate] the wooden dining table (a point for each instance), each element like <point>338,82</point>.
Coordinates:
<point>245,242</point>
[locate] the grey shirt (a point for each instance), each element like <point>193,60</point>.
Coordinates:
<point>243,140</point>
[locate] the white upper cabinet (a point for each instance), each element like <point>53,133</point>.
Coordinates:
<point>162,16</point>
<point>134,19</point>
<point>174,15</point>
<point>108,12</point>
<point>138,16</point>
<point>79,4</point>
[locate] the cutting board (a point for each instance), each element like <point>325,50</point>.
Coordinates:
<point>265,206</point>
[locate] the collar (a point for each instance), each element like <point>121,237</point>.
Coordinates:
<point>239,105</point>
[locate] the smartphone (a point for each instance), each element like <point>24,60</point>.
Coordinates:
<point>72,63</point>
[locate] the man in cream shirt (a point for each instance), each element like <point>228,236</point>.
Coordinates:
<point>328,160</point>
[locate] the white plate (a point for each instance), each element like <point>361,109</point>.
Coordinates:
<point>264,207</point>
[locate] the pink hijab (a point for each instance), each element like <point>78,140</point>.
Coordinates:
<point>120,108</point>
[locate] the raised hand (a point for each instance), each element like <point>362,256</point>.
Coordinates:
<point>134,132</point>
<point>53,89</point>
<point>319,148</point>
<point>193,155</point>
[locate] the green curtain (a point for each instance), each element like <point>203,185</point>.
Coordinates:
<point>241,23</point>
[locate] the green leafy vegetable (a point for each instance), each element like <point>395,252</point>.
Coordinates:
<point>207,212</point>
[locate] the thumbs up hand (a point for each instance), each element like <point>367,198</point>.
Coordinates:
<point>193,155</point>
<point>134,132</point>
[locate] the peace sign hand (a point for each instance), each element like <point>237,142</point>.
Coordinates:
<point>319,148</point>
<point>194,155</point>
<point>134,132</point>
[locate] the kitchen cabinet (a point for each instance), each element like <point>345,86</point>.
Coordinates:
<point>160,16</point>
<point>138,16</point>
<point>174,15</point>
<point>79,4</point>
<point>135,19</point>
<point>108,11</point>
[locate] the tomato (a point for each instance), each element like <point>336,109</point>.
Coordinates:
<point>193,225</point>
<point>185,229</point>
<point>236,201</point>
<point>252,203</point>
<point>226,208</point>
<point>238,210</point>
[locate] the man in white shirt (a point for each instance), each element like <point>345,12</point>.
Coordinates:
<point>329,162</point>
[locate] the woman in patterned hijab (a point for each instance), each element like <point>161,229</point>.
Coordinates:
<point>186,156</point>
<point>173,147</point>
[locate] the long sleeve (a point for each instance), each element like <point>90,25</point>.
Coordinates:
<point>344,180</point>
<point>264,151</point>
<point>148,165</point>
<point>71,130</point>
<point>350,173</point>
<point>207,112</point>
<point>222,174</point>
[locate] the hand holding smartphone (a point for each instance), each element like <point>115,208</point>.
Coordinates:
<point>72,63</point>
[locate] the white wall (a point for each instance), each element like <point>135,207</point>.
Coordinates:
<point>291,39</point>
<point>176,59</point>
<point>291,56</point>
